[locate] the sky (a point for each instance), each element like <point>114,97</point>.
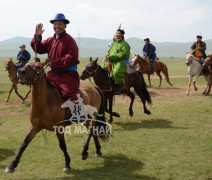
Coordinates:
<point>159,20</point>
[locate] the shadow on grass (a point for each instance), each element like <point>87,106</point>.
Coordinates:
<point>4,154</point>
<point>114,167</point>
<point>2,92</point>
<point>149,124</point>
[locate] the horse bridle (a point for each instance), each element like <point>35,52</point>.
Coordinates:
<point>93,72</point>
<point>190,59</point>
<point>35,73</point>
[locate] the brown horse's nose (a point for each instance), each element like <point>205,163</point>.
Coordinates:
<point>81,77</point>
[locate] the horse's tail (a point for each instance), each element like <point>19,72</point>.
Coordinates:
<point>165,72</point>
<point>103,129</point>
<point>141,88</point>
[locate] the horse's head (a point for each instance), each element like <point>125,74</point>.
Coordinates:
<point>189,58</point>
<point>208,60</point>
<point>137,59</point>
<point>8,63</point>
<point>90,69</point>
<point>30,73</point>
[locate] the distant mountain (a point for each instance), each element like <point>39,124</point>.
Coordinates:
<point>98,47</point>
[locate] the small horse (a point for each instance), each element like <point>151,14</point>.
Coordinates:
<point>194,70</point>
<point>144,68</point>
<point>208,64</point>
<point>12,73</point>
<point>102,80</point>
<point>46,112</point>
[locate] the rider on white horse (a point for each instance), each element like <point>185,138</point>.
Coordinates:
<point>199,48</point>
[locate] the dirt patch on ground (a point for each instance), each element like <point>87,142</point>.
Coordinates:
<point>8,113</point>
<point>164,91</point>
<point>174,91</point>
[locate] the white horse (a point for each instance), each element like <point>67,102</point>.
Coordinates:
<point>194,70</point>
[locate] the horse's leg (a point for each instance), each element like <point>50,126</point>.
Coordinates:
<point>106,108</point>
<point>16,91</point>
<point>98,146</point>
<point>86,146</point>
<point>110,110</point>
<point>27,140</point>
<point>148,75</point>
<point>110,99</point>
<point>189,84</point>
<point>194,83</point>
<point>158,73</point>
<point>8,97</point>
<point>132,97</point>
<point>62,145</point>
<point>209,89</point>
<point>27,93</point>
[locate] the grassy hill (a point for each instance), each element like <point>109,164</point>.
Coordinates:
<point>98,47</point>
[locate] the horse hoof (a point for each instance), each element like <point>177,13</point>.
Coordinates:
<point>98,154</point>
<point>110,121</point>
<point>9,170</point>
<point>205,94</point>
<point>196,89</point>
<point>6,100</point>
<point>147,112</point>
<point>131,114</point>
<point>84,157</point>
<point>66,169</point>
<point>115,114</point>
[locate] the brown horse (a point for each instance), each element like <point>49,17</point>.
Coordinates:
<point>12,73</point>
<point>102,80</point>
<point>208,75</point>
<point>46,112</point>
<point>159,66</point>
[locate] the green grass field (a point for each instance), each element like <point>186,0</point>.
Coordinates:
<point>173,143</point>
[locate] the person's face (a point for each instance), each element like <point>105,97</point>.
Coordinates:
<point>22,48</point>
<point>146,42</point>
<point>59,27</point>
<point>199,39</point>
<point>119,35</point>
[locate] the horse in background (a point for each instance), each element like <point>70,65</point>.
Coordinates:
<point>208,76</point>
<point>46,112</point>
<point>102,80</point>
<point>194,70</point>
<point>12,73</point>
<point>144,68</point>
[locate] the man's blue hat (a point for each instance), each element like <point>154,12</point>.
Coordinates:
<point>60,17</point>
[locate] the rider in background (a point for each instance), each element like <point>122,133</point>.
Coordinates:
<point>149,54</point>
<point>199,48</point>
<point>23,57</point>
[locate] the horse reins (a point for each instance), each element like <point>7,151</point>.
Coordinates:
<point>94,72</point>
<point>36,73</point>
<point>90,73</point>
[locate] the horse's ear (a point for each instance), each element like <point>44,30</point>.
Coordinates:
<point>90,59</point>
<point>96,59</point>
